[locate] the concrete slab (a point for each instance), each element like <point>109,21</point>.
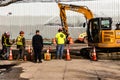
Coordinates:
<point>76,69</point>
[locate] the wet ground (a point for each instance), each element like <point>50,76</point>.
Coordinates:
<point>9,72</point>
<point>12,74</point>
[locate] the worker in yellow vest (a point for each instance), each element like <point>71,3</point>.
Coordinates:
<point>20,41</point>
<point>7,44</point>
<point>3,50</point>
<point>60,41</point>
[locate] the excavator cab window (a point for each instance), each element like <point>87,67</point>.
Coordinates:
<point>106,23</point>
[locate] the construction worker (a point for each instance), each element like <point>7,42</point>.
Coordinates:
<point>20,41</point>
<point>3,51</point>
<point>60,41</point>
<point>37,43</point>
<point>118,26</point>
<point>7,44</point>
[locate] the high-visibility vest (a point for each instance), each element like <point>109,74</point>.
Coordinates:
<point>19,40</point>
<point>5,42</point>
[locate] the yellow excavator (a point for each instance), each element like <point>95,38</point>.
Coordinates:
<point>99,30</point>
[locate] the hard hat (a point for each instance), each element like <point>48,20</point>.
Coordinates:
<point>60,29</point>
<point>118,23</point>
<point>21,32</point>
<point>7,33</point>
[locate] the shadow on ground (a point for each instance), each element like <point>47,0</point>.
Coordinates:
<point>12,73</point>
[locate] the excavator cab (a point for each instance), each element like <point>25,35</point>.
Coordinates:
<point>95,26</point>
<point>100,33</point>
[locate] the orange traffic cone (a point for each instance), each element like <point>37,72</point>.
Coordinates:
<point>29,49</point>
<point>70,40</point>
<point>10,55</point>
<point>31,54</point>
<point>94,58</point>
<point>53,41</point>
<point>25,58</point>
<point>68,55</point>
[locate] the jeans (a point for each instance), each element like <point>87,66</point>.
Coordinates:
<point>60,49</point>
<point>8,51</point>
<point>21,53</point>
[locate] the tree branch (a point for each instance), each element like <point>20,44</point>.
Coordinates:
<point>8,3</point>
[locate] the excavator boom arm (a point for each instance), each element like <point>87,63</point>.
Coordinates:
<point>80,9</point>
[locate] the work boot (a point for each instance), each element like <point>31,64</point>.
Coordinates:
<point>40,62</point>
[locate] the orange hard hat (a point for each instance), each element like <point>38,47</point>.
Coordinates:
<point>21,32</point>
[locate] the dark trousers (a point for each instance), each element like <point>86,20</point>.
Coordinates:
<point>21,52</point>
<point>3,49</point>
<point>37,53</point>
<point>3,52</point>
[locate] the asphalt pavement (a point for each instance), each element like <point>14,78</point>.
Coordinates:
<point>76,69</point>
